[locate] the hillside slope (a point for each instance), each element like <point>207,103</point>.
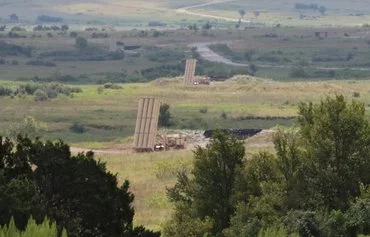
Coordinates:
<point>96,11</point>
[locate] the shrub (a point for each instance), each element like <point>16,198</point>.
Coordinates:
<point>112,86</point>
<point>223,115</point>
<point>73,34</point>
<point>100,89</point>
<point>29,127</point>
<point>81,43</point>
<point>50,90</point>
<point>14,50</point>
<point>14,35</point>
<point>356,94</point>
<point>156,24</point>
<point>5,91</point>
<point>298,73</point>
<point>78,128</point>
<point>37,62</point>
<point>203,110</point>
<point>96,35</point>
<point>132,47</point>
<point>164,115</point>
<point>40,95</point>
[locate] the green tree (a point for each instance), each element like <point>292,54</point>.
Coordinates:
<point>208,195</point>
<point>77,192</point>
<point>336,141</point>
<point>164,115</point>
<point>81,42</point>
<point>29,127</point>
<point>317,169</point>
<point>358,215</point>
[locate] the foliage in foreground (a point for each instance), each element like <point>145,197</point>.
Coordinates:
<point>317,183</point>
<point>45,229</point>
<point>76,192</point>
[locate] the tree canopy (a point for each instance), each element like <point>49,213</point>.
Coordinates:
<point>315,184</point>
<point>76,192</point>
<point>206,199</point>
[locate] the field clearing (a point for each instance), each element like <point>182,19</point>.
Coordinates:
<point>109,116</point>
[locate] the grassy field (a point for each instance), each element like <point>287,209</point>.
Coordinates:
<point>100,12</point>
<point>139,13</point>
<point>149,175</point>
<point>109,115</point>
<point>339,13</point>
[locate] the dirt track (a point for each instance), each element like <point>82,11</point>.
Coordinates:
<point>186,10</point>
<point>194,139</point>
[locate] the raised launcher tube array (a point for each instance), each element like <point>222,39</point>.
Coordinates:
<point>189,74</point>
<point>146,124</point>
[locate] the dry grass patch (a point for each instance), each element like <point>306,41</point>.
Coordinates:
<point>149,175</point>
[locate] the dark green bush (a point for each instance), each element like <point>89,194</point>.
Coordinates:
<point>78,128</point>
<point>14,50</point>
<point>298,73</point>
<point>164,115</point>
<point>112,86</point>
<point>37,62</point>
<point>203,110</point>
<point>5,91</point>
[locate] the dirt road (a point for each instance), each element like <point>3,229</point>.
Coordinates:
<point>195,138</point>
<point>206,53</point>
<point>76,150</point>
<point>186,10</point>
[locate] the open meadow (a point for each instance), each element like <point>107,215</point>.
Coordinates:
<point>108,115</point>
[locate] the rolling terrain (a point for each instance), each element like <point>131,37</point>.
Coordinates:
<point>180,13</point>
<point>262,65</point>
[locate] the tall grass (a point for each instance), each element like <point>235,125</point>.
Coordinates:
<point>149,175</point>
